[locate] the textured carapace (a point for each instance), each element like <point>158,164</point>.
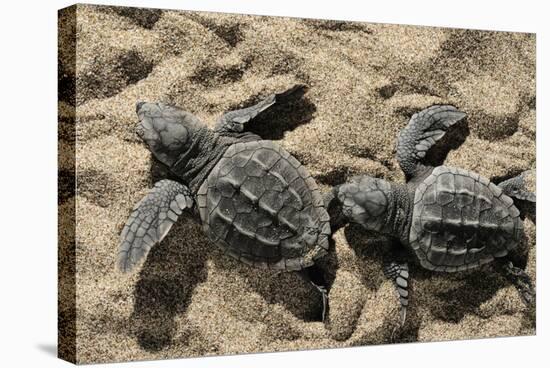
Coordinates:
<point>262,207</point>
<point>461,221</point>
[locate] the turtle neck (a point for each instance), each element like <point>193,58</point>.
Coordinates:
<point>194,165</point>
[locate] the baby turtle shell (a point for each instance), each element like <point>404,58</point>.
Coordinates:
<point>461,221</point>
<point>260,205</point>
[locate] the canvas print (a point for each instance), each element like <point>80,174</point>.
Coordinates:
<point>238,184</point>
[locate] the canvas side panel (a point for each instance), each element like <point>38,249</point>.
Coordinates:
<point>66,322</point>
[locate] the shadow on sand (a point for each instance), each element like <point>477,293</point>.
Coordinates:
<point>172,270</point>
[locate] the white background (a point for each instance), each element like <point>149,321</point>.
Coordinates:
<point>28,206</point>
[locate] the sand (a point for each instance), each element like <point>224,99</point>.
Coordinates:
<point>365,81</point>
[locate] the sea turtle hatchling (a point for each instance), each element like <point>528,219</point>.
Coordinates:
<point>253,198</point>
<point>451,219</point>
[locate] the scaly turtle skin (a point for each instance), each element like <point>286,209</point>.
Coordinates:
<point>254,200</point>
<point>451,219</point>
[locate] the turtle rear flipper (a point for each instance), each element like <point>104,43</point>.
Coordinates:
<point>399,274</point>
<point>516,188</point>
<point>423,130</point>
<point>521,280</point>
<point>234,121</point>
<point>313,275</point>
<point>151,220</point>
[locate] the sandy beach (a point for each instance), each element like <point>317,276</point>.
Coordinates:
<point>365,81</point>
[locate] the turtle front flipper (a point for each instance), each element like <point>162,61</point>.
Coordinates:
<point>516,188</point>
<point>423,130</point>
<point>150,221</point>
<point>399,274</point>
<point>234,121</point>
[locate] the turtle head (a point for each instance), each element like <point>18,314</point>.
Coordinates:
<point>365,200</point>
<point>167,130</point>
